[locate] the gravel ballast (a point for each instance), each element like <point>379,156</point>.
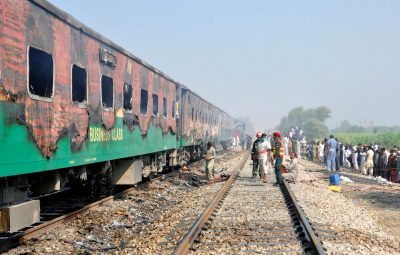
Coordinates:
<point>348,223</point>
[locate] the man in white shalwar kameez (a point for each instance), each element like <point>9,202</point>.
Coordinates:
<point>264,157</point>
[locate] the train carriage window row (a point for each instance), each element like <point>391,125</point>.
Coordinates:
<point>79,86</point>
<point>41,73</point>
<point>107,92</point>
<point>127,97</point>
<point>41,82</point>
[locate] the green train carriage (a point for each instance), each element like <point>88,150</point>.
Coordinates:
<point>73,103</point>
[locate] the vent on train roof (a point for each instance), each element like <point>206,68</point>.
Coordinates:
<point>107,58</point>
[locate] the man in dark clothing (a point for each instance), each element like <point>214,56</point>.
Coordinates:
<point>381,164</point>
<point>359,150</point>
<point>254,154</point>
<point>248,142</point>
<point>337,159</point>
<point>325,150</point>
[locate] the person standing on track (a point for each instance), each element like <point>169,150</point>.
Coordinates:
<point>254,154</point>
<point>331,158</point>
<point>210,158</point>
<point>264,151</point>
<point>278,154</point>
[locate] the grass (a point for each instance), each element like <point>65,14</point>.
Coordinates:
<point>387,139</point>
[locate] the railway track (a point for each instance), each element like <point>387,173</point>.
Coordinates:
<point>250,217</point>
<point>60,207</point>
<point>53,215</point>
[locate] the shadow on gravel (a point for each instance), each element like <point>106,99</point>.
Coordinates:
<point>385,200</point>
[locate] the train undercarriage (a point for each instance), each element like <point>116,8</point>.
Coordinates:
<point>20,194</point>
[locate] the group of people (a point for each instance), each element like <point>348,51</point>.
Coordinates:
<point>268,152</point>
<point>372,160</point>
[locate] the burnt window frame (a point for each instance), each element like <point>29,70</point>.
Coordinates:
<point>192,113</point>
<point>165,107</point>
<point>101,93</point>
<point>147,102</point>
<point>87,88</point>
<point>123,97</point>
<point>173,109</point>
<point>34,96</point>
<point>158,106</point>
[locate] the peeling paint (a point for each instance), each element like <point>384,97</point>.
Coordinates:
<point>24,24</point>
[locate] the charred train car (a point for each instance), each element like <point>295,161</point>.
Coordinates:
<point>74,104</point>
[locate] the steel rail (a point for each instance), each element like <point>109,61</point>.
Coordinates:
<point>187,241</point>
<point>43,227</point>
<point>37,230</point>
<point>315,246</point>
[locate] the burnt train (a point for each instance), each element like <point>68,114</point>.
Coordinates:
<point>73,103</point>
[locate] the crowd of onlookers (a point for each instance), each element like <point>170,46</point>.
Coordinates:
<point>368,159</point>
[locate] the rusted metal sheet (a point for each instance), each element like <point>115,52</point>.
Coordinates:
<point>13,18</point>
<point>27,25</point>
<point>203,121</point>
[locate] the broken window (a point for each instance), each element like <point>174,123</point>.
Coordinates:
<point>196,115</point>
<point>192,113</point>
<point>164,102</point>
<point>40,73</point>
<point>155,104</point>
<point>79,86</point>
<point>173,110</point>
<point>107,96</point>
<point>127,97</point>
<point>143,101</point>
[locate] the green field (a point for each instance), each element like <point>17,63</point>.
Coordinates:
<point>388,139</point>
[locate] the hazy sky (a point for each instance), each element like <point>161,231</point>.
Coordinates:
<point>262,58</point>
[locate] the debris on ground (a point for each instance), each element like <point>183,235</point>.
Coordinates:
<point>149,220</point>
<point>345,179</point>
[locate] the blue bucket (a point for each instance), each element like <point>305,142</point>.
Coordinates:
<point>334,179</point>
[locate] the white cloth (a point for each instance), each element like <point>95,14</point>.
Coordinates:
<point>355,162</point>
<point>294,171</point>
<point>347,153</point>
<point>321,150</point>
<point>370,159</point>
<point>263,147</point>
